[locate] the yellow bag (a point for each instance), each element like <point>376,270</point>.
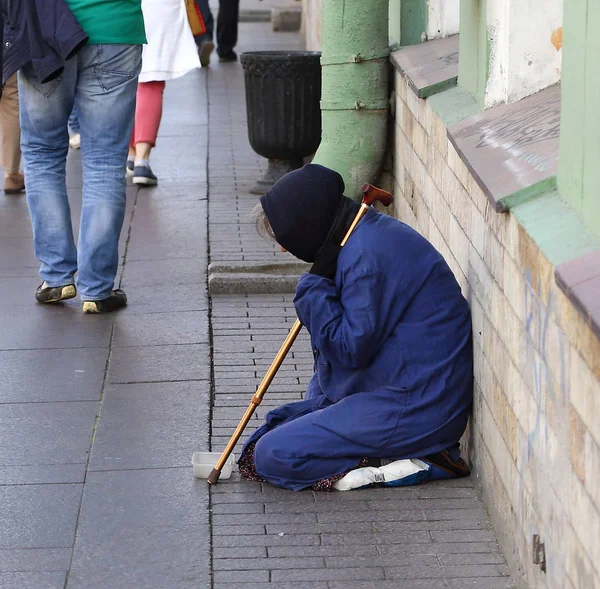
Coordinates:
<point>195,18</point>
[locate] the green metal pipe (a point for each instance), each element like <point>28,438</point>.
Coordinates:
<point>354,96</point>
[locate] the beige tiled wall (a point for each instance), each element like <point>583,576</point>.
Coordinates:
<point>534,439</point>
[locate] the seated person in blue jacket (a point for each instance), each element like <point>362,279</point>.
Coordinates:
<point>391,337</point>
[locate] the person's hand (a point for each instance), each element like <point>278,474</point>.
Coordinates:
<point>325,262</point>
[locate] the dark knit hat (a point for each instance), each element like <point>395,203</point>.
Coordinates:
<point>301,208</point>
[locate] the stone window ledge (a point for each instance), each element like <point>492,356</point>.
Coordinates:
<point>579,279</point>
<point>512,150</point>
<point>429,67</point>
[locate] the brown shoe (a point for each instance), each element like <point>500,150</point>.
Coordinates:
<point>14,183</point>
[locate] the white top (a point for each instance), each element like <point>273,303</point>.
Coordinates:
<point>171,51</point>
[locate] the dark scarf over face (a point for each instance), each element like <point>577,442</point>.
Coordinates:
<point>306,208</point>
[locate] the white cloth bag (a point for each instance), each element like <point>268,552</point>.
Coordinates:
<point>171,51</point>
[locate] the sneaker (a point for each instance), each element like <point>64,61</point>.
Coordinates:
<point>143,176</point>
<point>14,183</point>
<point>54,294</point>
<point>394,474</point>
<point>204,52</point>
<point>229,56</point>
<point>75,141</point>
<point>117,300</point>
<point>129,168</point>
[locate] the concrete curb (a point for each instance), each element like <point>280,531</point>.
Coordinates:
<point>254,16</point>
<point>254,278</point>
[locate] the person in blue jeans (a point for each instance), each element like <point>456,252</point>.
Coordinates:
<point>100,81</point>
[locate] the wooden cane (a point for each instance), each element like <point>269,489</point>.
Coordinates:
<point>371,194</point>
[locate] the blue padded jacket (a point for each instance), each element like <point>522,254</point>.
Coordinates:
<point>43,33</point>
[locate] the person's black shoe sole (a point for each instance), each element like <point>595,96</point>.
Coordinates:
<point>54,294</point>
<point>117,300</point>
<point>228,57</point>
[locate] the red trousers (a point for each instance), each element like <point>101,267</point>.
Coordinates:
<point>148,112</point>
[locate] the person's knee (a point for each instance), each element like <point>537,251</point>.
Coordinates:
<point>264,461</point>
<point>271,460</point>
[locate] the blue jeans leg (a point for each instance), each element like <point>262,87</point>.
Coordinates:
<point>101,82</point>
<point>74,122</point>
<point>105,101</point>
<point>44,113</point>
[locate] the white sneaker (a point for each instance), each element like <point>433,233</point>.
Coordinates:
<point>75,141</point>
<point>358,478</point>
<point>389,475</point>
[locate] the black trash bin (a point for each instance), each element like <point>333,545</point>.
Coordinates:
<point>283,93</point>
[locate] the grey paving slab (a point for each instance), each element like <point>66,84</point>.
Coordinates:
<point>160,329</point>
<point>168,233</point>
<point>408,547</point>
<point>233,578</point>
<point>22,272</point>
<point>181,246</point>
<point>481,583</point>
<point>273,564</point>
<point>324,574</point>
<point>148,273</point>
<point>239,540</point>
<point>324,551</point>
<point>37,474</point>
<point>151,426</point>
<point>299,585</point>
<point>166,298</point>
<point>17,252</point>
<point>445,572</point>
<point>14,225</point>
<point>60,375</point>
<point>35,560</point>
<point>52,580</point>
<point>159,363</point>
<point>38,516</point>
<point>143,528</point>
<point>46,433</point>
<point>56,326</point>
<point>167,159</point>
<point>172,194</point>
<point>406,584</point>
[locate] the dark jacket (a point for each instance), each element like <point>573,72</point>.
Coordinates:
<point>43,33</point>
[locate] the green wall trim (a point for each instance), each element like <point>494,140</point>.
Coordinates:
<point>521,196</point>
<point>454,105</point>
<point>475,48</point>
<point>578,170</point>
<point>394,24</point>
<point>437,88</point>
<point>413,21</point>
<point>556,228</point>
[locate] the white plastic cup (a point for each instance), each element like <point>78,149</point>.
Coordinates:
<point>204,462</point>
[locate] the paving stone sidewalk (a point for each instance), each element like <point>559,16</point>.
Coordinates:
<point>99,416</point>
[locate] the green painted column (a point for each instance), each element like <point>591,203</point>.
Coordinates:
<point>354,98</point>
<point>408,22</point>
<point>413,21</point>
<point>579,169</point>
<point>394,23</point>
<point>473,64</point>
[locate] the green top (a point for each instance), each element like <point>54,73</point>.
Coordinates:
<point>110,21</point>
